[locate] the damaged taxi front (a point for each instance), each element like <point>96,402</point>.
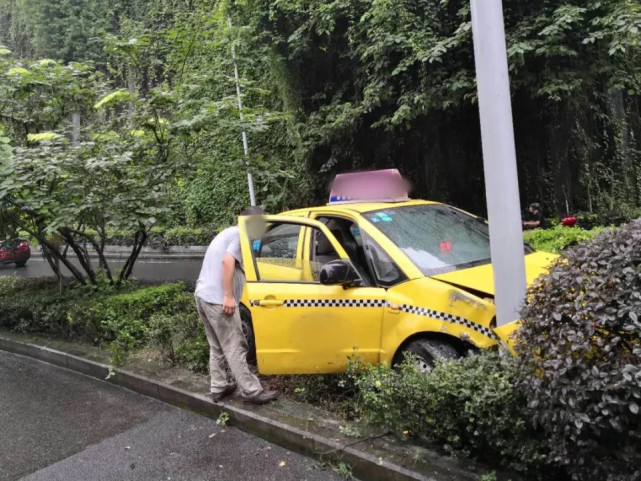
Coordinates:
<point>382,278</point>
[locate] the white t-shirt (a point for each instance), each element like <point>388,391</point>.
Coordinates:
<point>209,286</point>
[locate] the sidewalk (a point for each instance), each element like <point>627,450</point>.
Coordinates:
<point>296,426</point>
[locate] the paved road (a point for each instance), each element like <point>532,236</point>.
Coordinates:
<point>57,425</point>
<point>145,269</point>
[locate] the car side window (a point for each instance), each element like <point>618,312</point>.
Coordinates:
<point>280,242</point>
<point>279,256</point>
<point>321,252</point>
<point>385,269</point>
<point>348,235</point>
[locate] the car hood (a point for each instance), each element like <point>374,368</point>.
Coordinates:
<point>481,278</point>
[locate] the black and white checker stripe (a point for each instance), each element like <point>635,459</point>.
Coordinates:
<point>330,303</point>
<point>335,303</point>
<point>442,316</point>
<point>419,311</point>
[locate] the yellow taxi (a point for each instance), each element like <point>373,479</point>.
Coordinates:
<point>379,278</point>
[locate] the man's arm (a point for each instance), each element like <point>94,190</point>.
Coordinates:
<point>229,301</point>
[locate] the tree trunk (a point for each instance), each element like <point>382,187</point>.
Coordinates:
<point>139,242</point>
<point>82,256</point>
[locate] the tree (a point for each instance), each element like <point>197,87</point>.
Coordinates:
<point>393,83</point>
<point>117,178</point>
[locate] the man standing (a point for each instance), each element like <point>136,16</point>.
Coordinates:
<point>534,218</point>
<point>218,291</point>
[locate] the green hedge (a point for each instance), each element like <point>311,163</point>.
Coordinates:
<point>124,320</point>
<point>469,406</point>
<point>559,237</point>
<point>162,238</point>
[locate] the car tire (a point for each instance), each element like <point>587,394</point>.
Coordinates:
<point>21,263</point>
<point>426,351</point>
<point>248,330</point>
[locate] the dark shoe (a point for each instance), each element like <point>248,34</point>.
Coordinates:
<point>218,396</point>
<point>262,397</point>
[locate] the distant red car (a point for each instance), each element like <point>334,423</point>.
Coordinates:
<point>15,251</point>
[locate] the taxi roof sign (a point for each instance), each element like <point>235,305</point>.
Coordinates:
<point>370,186</point>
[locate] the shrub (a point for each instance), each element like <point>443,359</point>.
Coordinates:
<point>40,305</point>
<point>468,406</point>
<point>333,392</point>
<point>559,238</point>
<point>580,356</point>
<point>614,217</point>
<point>186,236</point>
<point>163,238</point>
<point>125,319</point>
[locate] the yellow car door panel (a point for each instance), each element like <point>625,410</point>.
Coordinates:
<point>300,325</point>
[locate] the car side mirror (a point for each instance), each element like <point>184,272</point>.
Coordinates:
<point>338,273</point>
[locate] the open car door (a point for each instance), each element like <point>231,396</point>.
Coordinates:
<point>300,325</point>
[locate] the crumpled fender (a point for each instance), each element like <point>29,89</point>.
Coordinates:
<point>507,334</point>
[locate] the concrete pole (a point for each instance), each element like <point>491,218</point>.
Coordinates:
<point>250,179</point>
<point>499,159</point>
<point>75,128</point>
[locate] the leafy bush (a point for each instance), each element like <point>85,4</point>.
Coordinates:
<point>192,351</point>
<point>580,357</point>
<point>186,236</point>
<point>614,217</point>
<point>333,392</point>
<point>559,238</point>
<point>162,238</point>
<point>468,406</point>
<point>40,305</point>
<point>126,319</point>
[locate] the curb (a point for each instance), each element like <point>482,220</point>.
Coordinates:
<point>364,465</point>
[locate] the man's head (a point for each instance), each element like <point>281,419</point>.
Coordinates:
<point>252,210</point>
<point>534,208</point>
<point>256,224</point>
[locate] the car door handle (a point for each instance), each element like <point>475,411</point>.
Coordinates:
<point>271,303</point>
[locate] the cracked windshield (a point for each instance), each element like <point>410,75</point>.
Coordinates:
<point>436,238</point>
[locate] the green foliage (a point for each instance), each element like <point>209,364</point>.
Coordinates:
<point>223,419</point>
<point>330,87</point>
<point>559,238</point>
<point>468,406</point>
<point>580,356</point>
<point>120,180</point>
<point>193,349</point>
<point>113,99</point>
<point>190,236</point>
<point>391,83</point>
<point>161,237</point>
<point>5,147</point>
<point>124,319</point>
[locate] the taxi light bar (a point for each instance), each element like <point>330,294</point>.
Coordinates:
<point>371,186</point>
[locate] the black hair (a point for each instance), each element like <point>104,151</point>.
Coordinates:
<point>253,210</point>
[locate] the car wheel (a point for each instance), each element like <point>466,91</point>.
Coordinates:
<point>248,330</point>
<point>21,263</point>
<point>426,351</point>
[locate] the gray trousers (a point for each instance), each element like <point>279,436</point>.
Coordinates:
<point>227,343</point>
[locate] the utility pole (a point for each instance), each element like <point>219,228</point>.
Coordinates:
<point>75,128</point>
<point>250,179</point>
<point>499,159</point>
